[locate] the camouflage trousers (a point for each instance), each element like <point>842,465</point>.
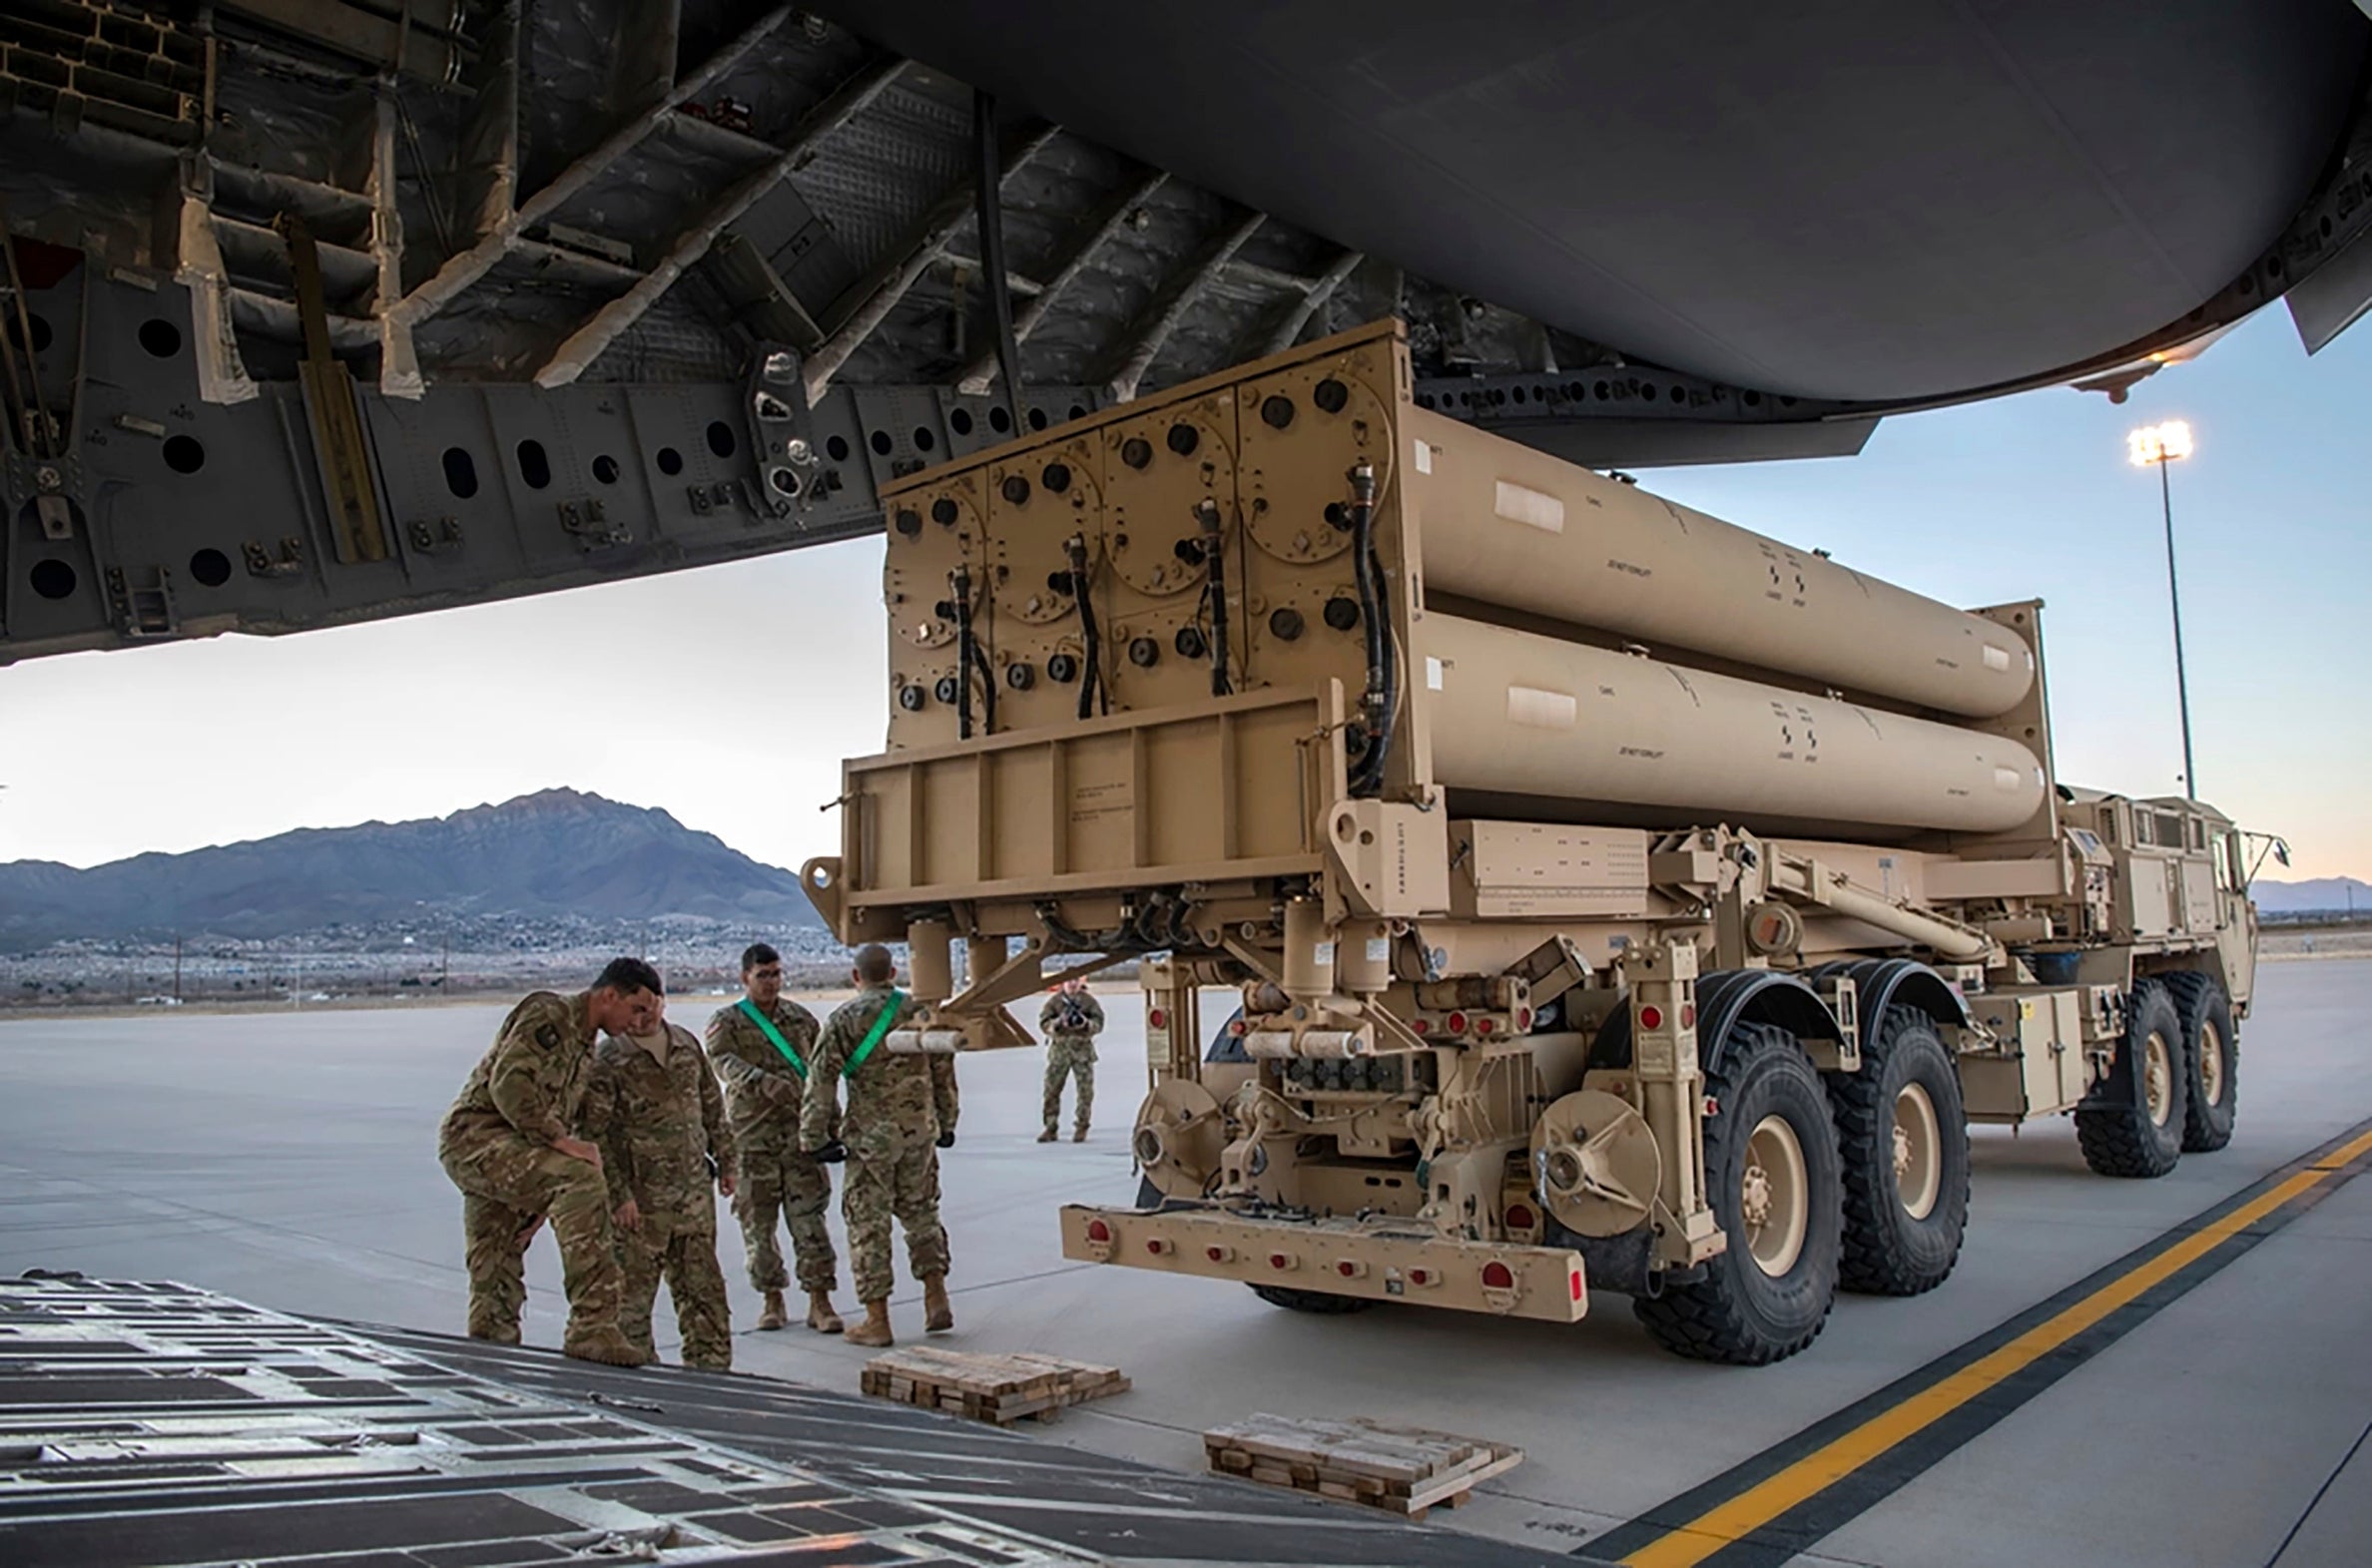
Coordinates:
<point>776,1178</point>
<point>892,1179</point>
<point>683,1252</point>
<point>1069,1055</point>
<point>508,1184</point>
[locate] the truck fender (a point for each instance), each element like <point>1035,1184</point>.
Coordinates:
<point>1880,983</point>
<point>1723,1001</point>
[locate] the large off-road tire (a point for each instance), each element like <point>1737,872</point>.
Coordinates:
<point>1776,1188</point>
<point>2211,1049</point>
<point>1905,1143</point>
<point>1311,1301</point>
<point>2134,1127</point>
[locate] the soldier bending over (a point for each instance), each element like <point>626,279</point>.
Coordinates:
<point>761,1047</point>
<point>901,1111</point>
<point>506,1144</point>
<point>655,1110</point>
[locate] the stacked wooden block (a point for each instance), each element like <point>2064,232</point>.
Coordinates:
<point>998,1388</point>
<point>1399,1469</point>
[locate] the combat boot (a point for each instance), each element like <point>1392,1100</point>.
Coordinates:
<point>604,1344</point>
<point>937,1316</point>
<point>1047,1136</point>
<point>1079,1134</point>
<point>875,1330</point>
<point>774,1315</point>
<point>821,1316</point>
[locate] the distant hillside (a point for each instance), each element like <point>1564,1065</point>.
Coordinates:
<point>2316,895</point>
<point>550,853</point>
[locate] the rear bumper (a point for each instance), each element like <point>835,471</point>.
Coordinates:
<point>1334,1257</point>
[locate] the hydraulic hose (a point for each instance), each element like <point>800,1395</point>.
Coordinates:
<point>1215,555</point>
<point>960,583</point>
<point>1366,572</point>
<point>1090,638</point>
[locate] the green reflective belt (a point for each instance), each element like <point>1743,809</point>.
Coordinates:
<point>881,1032</point>
<point>776,1036</point>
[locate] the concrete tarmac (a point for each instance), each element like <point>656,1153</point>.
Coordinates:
<point>290,1159</point>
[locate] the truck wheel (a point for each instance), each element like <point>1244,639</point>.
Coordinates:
<point>2134,1125</point>
<point>1905,1142</point>
<point>1311,1301</point>
<point>1772,1171</point>
<point>2211,1047</point>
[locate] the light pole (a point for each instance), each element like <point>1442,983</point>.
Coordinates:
<point>2159,445</point>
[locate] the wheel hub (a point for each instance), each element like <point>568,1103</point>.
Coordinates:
<point>1774,1197</point>
<point>2211,1065</point>
<point>2157,1078</point>
<point>1917,1151</point>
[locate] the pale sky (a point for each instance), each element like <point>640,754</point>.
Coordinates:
<point>729,695</point>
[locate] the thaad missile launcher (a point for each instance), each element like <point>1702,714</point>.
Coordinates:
<point>1609,897</point>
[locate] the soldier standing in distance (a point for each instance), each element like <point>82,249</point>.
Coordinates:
<point>761,1046</point>
<point>507,1144</point>
<point>1070,1021</point>
<point>901,1111</point>
<point>654,1109</point>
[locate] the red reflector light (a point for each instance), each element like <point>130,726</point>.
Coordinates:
<point>1483,1026</point>
<point>1156,1246</point>
<point>1651,1018</point>
<point>1421,1277</point>
<point>1457,1023</point>
<point>1524,1019</point>
<point>1423,1026</point>
<point>1278,1260</point>
<point>1688,1017</point>
<point>1521,1217</point>
<point>1217,1255</point>
<point>1099,1232</point>
<point>1573,1284</point>
<point>1346,1269</point>
<point>1157,1019</point>
<point>1497,1276</point>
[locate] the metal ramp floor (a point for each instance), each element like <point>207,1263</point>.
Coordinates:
<point>159,1424</point>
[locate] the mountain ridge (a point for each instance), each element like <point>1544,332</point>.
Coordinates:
<point>550,852</point>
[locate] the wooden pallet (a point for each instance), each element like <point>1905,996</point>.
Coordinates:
<point>1400,1469</point>
<point>998,1388</point>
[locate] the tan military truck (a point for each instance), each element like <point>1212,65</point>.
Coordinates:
<point>1614,897</point>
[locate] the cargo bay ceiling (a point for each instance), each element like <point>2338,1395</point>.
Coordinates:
<point>318,310</point>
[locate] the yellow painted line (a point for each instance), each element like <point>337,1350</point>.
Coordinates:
<point>1751,1510</point>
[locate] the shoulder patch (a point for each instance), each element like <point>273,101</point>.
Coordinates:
<point>548,1036</point>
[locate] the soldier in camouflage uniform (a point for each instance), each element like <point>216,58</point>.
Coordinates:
<point>763,1088</point>
<point>654,1108</point>
<point>507,1144</point>
<point>1070,1021</point>
<point>901,1111</point>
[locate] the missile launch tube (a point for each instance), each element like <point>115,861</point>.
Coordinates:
<point>1501,524</point>
<point>1512,711</point>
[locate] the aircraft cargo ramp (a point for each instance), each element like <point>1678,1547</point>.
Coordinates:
<point>155,1423</point>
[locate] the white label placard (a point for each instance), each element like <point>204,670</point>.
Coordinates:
<point>1322,955</point>
<point>1379,949</point>
<point>1432,673</point>
<point>1533,508</point>
<point>1529,704</point>
<point>1424,458</point>
<point>1996,658</point>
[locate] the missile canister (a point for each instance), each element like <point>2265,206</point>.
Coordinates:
<point>1502,524</point>
<point>1520,714</point>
